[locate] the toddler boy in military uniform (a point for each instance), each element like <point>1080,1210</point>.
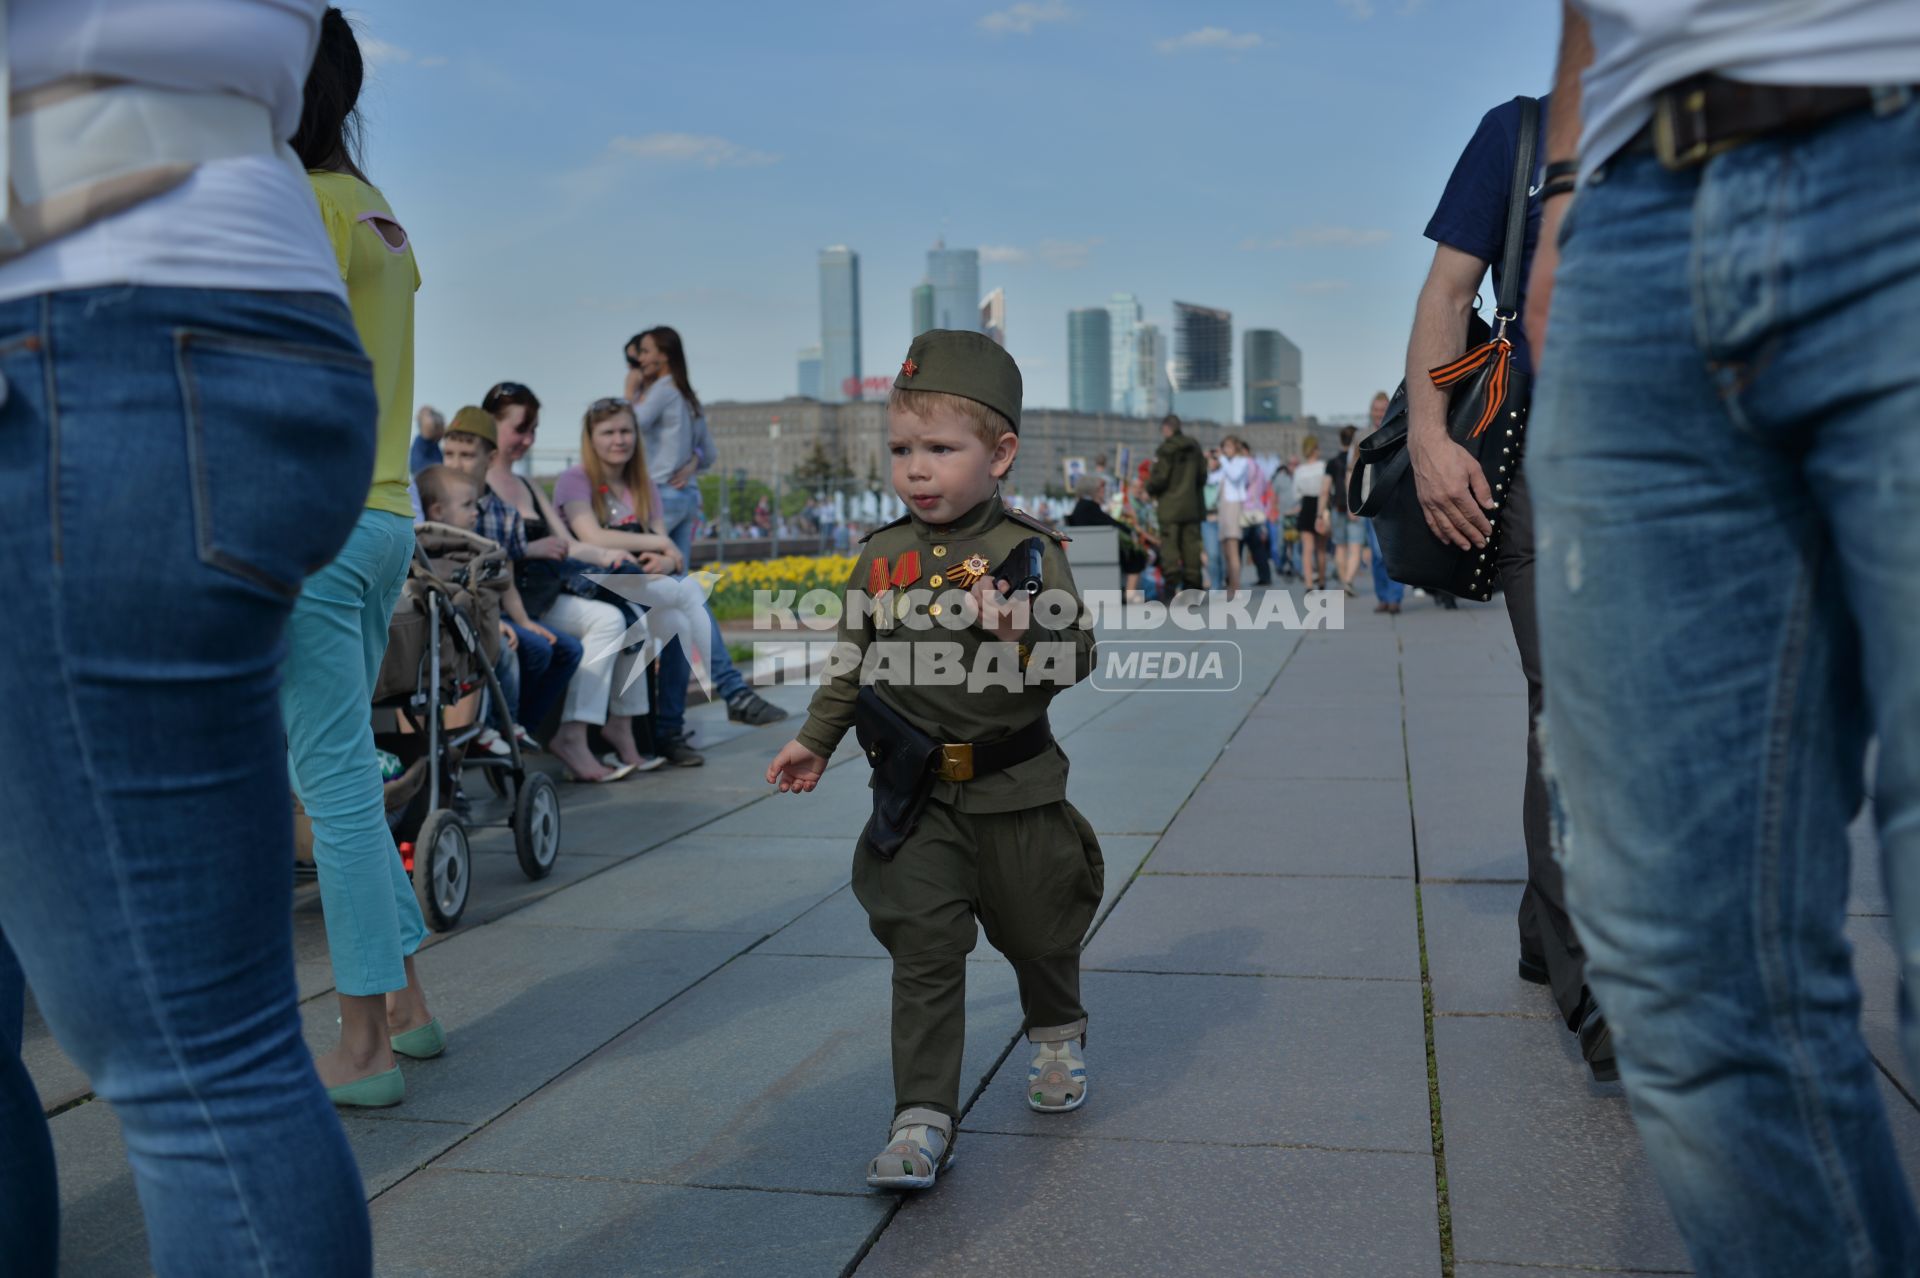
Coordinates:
<point>947,684</point>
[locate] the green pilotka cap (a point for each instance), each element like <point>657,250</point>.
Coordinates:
<point>970,365</point>
<point>475,421</point>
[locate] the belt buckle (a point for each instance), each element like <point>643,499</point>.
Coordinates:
<point>956,762</point>
<point>1689,103</point>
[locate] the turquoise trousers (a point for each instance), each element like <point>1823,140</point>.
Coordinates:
<point>334,645</point>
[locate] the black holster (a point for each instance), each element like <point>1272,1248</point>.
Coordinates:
<point>904,760</point>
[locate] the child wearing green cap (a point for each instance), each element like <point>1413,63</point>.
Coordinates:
<point>947,684</point>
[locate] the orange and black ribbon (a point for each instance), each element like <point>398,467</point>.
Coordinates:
<point>1500,351</point>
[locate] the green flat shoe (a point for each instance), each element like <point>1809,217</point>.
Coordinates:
<point>376,1091</point>
<point>424,1043</point>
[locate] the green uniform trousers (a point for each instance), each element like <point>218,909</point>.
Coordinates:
<point>1034,879</point>
<point>1183,555</point>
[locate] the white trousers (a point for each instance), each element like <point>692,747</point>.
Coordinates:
<point>609,678</point>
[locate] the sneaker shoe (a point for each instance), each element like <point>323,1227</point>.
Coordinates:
<point>525,738</point>
<point>920,1148</point>
<point>752,709</point>
<point>676,751</point>
<point>493,743</point>
<point>1057,1078</point>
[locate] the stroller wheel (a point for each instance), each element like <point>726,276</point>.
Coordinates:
<point>442,870</point>
<point>536,825</point>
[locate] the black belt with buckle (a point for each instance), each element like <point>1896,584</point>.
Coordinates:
<point>965,761</point>
<point>1699,118</point>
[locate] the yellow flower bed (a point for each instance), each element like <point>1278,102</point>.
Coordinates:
<point>732,597</point>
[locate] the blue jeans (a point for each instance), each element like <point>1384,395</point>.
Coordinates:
<point>670,710</point>
<point>204,451</point>
<point>1733,382</point>
<point>1216,560</point>
<point>1385,588</point>
<point>678,507</point>
<point>540,672</point>
<point>334,646</point>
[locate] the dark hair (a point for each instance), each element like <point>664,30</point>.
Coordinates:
<point>329,135</point>
<point>667,342</point>
<point>1170,420</point>
<point>1347,433</point>
<point>506,394</point>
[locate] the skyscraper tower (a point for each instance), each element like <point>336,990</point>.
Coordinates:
<point>1153,396</point>
<point>1123,312</point>
<point>922,308</point>
<point>1089,360</point>
<point>1272,376</point>
<point>1202,362</point>
<point>955,276</point>
<point>839,324</point>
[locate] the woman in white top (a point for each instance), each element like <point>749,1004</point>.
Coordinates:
<point>1308,480</point>
<point>186,366</point>
<point>1235,470</point>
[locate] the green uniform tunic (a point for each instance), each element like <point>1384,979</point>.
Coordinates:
<point>1006,847</point>
<point>1181,467</point>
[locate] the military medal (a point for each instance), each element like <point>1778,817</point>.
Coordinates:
<point>906,571</point>
<point>968,571</point>
<point>877,582</point>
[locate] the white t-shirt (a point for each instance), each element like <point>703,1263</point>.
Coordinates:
<point>1233,479</point>
<point>248,223</point>
<point>1642,46</point>
<point>1306,479</point>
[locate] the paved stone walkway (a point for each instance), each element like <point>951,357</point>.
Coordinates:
<point>671,1056</point>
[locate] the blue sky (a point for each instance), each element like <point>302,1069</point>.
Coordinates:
<point>576,170</point>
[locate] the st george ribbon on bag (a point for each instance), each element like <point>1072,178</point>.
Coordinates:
<point>1486,415</point>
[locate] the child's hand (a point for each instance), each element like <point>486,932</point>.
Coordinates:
<point>657,563</point>
<point>796,769</point>
<point>509,638</point>
<point>1009,618</point>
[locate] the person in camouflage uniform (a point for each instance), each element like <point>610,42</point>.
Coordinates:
<point>1178,482</point>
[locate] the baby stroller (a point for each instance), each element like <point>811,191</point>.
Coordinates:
<point>442,643</point>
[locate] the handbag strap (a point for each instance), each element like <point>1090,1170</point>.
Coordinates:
<point>1507,292</point>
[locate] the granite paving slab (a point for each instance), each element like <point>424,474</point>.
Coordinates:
<point>838,809</point>
<point>1367,747</point>
<point>102,1233</point>
<point>705,883</point>
<point>1232,826</point>
<point>1869,887</point>
<point>1224,1059</point>
<point>448,1224</point>
<point>58,1080</point>
<point>1466,823</point>
<point>1262,926</point>
<point>1473,950</point>
<point>1544,1167</point>
<point>1876,967</point>
<point>773,1073</point>
<point>521,1004</point>
<point>1114,1208</point>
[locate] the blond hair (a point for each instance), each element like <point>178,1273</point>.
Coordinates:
<point>436,485</point>
<point>1310,447</point>
<point>987,423</point>
<point>632,476</point>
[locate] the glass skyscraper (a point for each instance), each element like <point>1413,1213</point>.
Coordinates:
<point>955,276</point>
<point>1153,397</point>
<point>1090,360</point>
<point>809,372</point>
<point>839,324</point>
<point>922,308</point>
<point>1272,376</point>
<point>1202,362</point>
<point>1123,315</point>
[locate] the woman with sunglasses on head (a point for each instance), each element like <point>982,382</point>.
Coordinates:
<point>607,689</point>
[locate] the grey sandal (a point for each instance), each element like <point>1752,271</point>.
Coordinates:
<point>1057,1078</point>
<point>920,1149</point>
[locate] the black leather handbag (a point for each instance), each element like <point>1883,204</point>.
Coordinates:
<point>1486,415</point>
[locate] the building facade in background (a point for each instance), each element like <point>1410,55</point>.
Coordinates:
<point>922,308</point>
<point>1123,317</point>
<point>839,324</point>
<point>1202,362</point>
<point>1089,360</point>
<point>993,315</point>
<point>809,373</point>
<point>1271,376</point>
<point>955,276</point>
<point>1153,393</point>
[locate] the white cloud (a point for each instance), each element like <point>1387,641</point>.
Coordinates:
<point>1361,9</point>
<point>1021,19</point>
<point>434,61</point>
<point>690,148</point>
<point>1209,38</point>
<point>1323,286</point>
<point>1002,253</point>
<point>1066,255</point>
<point>379,52</point>
<point>1319,237</point>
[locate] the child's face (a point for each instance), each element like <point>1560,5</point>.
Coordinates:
<point>468,454</point>
<point>461,509</point>
<point>941,469</point>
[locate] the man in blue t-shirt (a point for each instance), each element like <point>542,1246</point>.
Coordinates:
<point>1468,229</point>
<point>426,445</point>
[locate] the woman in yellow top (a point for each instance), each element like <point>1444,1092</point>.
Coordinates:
<point>339,629</point>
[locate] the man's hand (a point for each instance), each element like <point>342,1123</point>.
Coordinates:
<point>796,769</point>
<point>1453,490</point>
<point>508,637</point>
<point>1005,619</point>
<point>547,548</point>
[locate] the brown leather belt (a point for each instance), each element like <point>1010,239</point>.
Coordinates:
<point>1699,118</point>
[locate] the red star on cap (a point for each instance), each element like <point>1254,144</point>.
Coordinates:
<point>909,368</point>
